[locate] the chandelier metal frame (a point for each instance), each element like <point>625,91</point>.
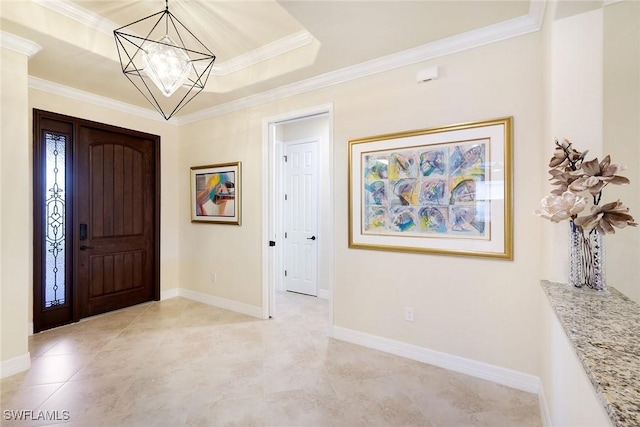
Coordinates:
<point>130,45</point>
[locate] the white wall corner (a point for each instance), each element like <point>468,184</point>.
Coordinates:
<point>507,377</point>
<point>536,12</point>
<point>227,304</point>
<point>544,407</point>
<point>30,328</point>
<point>169,293</point>
<point>15,365</point>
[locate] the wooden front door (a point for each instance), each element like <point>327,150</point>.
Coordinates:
<point>115,219</point>
<point>110,214</point>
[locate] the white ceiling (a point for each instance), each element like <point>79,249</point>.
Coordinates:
<point>263,47</point>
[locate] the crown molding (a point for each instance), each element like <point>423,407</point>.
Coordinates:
<point>515,27</point>
<point>263,53</point>
<point>19,44</point>
<point>271,50</point>
<point>80,95</point>
<point>86,17</point>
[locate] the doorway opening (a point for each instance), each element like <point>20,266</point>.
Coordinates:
<point>96,218</point>
<point>298,208</point>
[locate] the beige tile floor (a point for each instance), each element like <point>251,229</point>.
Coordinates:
<point>182,363</point>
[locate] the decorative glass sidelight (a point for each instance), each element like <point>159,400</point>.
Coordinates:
<point>55,273</point>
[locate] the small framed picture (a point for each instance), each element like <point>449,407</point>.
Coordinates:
<point>216,193</point>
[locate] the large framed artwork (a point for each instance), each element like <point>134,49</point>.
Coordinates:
<point>216,192</point>
<point>445,190</point>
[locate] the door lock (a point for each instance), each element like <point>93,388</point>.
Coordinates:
<point>83,231</point>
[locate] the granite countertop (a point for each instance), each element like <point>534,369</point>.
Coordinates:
<point>605,332</point>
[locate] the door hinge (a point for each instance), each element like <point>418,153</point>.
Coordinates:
<point>285,159</point>
<point>285,234</point>
<point>285,273</point>
<point>285,197</point>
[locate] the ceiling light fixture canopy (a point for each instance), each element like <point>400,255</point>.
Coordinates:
<point>169,56</point>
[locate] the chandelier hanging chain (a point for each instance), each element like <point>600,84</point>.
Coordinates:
<point>166,9</point>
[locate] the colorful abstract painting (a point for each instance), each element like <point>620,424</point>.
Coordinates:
<point>431,190</point>
<point>215,194</point>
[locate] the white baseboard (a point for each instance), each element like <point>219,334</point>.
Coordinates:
<point>324,293</point>
<point>544,408</point>
<point>507,377</point>
<point>15,365</point>
<point>169,293</point>
<point>249,310</point>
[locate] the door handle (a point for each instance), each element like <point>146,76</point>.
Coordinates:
<point>85,247</point>
<point>311,238</point>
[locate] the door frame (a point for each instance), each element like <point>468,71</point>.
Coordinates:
<point>72,225</point>
<point>281,220</point>
<point>271,188</point>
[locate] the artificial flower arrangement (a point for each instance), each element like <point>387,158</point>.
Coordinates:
<point>572,175</point>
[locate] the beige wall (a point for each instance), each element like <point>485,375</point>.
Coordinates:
<point>471,307</point>
<point>232,252</point>
<point>477,308</point>
<point>575,112</point>
<point>15,200</point>
<point>622,136</point>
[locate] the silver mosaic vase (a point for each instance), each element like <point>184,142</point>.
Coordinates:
<point>586,258</point>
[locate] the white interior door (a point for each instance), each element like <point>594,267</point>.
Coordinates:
<point>301,217</point>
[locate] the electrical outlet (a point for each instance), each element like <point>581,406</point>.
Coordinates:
<point>214,277</point>
<point>408,314</point>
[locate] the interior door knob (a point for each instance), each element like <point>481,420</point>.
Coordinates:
<point>85,247</point>
<point>311,238</point>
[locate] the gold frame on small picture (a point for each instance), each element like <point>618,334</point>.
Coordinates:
<point>216,193</point>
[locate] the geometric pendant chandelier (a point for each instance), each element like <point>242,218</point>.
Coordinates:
<point>169,65</point>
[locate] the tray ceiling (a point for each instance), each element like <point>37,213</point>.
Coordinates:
<point>260,45</point>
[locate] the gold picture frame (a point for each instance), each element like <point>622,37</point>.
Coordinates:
<point>216,193</point>
<point>445,190</point>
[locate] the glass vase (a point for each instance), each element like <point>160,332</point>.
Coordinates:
<point>576,272</point>
<point>586,258</point>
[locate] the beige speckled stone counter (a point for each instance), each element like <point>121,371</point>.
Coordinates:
<point>604,330</point>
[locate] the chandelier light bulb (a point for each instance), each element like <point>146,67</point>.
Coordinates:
<point>166,65</point>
